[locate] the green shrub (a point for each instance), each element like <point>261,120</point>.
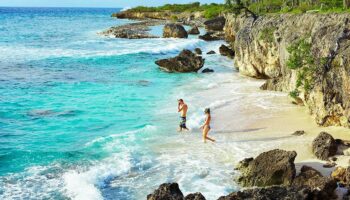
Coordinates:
<point>301,59</point>
<point>266,34</point>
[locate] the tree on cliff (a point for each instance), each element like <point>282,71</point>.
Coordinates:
<point>237,6</point>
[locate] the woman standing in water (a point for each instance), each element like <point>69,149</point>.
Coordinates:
<point>206,126</point>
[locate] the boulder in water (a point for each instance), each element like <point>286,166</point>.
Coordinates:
<point>174,31</point>
<point>226,51</point>
<point>211,52</point>
<point>324,146</point>
<point>186,61</point>
<point>207,70</point>
<point>198,51</point>
<point>193,31</point>
<point>195,196</point>
<point>275,167</point>
<point>210,36</point>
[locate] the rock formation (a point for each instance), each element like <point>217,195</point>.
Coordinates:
<point>324,146</point>
<point>263,48</point>
<point>186,61</point>
<point>166,191</point>
<point>207,70</point>
<point>261,172</point>
<point>198,51</point>
<point>174,31</point>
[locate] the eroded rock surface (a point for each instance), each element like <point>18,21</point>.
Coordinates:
<point>324,146</point>
<point>167,191</point>
<point>275,167</point>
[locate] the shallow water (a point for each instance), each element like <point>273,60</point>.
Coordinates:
<point>84,116</point>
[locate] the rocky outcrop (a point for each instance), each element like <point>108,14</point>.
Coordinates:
<point>262,45</point>
<point>186,61</point>
<point>187,18</point>
<point>324,146</point>
<point>274,192</point>
<point>166,191</point>
<point>321,187</point>
<point>260,171</point>
<point>298,133</point>
<point>193,31</point>
<point>136,30</point>
<point>211,52</point>
<point>226,51</point>
<point>342,175</point>
<point>216,24</point>
<point>174,31</point>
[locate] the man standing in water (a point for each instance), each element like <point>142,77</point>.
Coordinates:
<point>182,109</point>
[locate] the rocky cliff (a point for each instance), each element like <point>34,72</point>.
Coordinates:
<point>307,55</point>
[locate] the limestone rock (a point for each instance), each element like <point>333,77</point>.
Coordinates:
<point>166,191</point>
<point>341,175</point>
<point>271,193</point>
<point>324,146</point>
<point>186,61</point>
<point>210,36</point>
<point>193,31</point>
<point>195,196</point>
<point>216,24</point>
<point>174,31</point>
<point>275,167</point>
<point>226,51</point>
<point>321,187</point>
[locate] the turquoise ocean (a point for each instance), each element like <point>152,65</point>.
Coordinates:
<point>84,116</point>
<point>90,117</point>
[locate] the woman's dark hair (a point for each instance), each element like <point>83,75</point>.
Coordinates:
<point>207,110</point>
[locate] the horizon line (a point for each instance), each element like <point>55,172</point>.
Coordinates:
<point>56,7</point>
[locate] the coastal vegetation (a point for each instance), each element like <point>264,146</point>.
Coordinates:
<point>301,59</point>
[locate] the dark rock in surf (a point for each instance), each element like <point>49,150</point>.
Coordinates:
<point>195,196</point>
<point>207,70</point>
<point>210,36</point>
<point>321,187</point>
<point>166,191</point>
<point>186,61</point>
<point>193,31</point>
<point>198,51</point>
<point>211,52</point>
<point>261,172</point>
<point>174,31</point>
<point>226,51</point>
<point>324,146</point>
<point>216,24</point>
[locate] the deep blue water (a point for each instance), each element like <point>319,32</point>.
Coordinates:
<point>80,112</point>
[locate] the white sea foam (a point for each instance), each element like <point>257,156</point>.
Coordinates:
<point>85,185</point>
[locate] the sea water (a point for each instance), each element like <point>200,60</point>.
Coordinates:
<point>85,116</point>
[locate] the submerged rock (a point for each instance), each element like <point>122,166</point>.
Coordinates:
<point>174,31</point>
<point>207,70</point>
<point>274,167</point>
<point>321,187</point>
<point>216,24</point>
<point>166,191</point>
<point>324,146</point>
<point>186,61</point>
<point>193,31</point>
<point>226,51</point>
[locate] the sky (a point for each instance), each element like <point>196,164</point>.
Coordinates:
<point>95,3</point>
